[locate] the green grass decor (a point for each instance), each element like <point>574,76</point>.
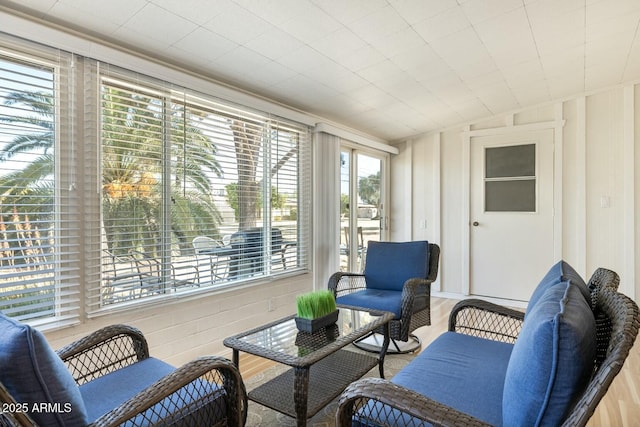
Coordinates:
<point>315,304</point>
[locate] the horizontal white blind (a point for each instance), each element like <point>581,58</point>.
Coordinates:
<point>39,233</point>
<point>192,189</point>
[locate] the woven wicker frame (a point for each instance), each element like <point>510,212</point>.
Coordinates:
<point>211,380</point>
<point>316,377</point>
<point>342,283</point>
<point>616,332</point>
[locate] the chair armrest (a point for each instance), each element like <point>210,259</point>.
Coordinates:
<point>208,375</point>
<point>103,351</point>
<point>410,290</point>
<point>9,418</point>
<point>413,287</point>
<point>342,283</point>
<point>486,320</point>
<point>375,401</point>
<point>178,271</point>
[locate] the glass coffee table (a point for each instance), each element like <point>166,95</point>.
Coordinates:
<point>321,365</point>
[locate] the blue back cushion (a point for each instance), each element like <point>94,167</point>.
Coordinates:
<point>34,374</point>
<point>560,272</point>
<point>552,359</point>
<point>390,264</point>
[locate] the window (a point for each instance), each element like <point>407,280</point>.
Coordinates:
<point>510,178</point>
<point>192,187</point>
<point>38,257</point>
<point>117,188</point>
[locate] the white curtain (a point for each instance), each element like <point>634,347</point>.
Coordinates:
<point>326,212</point>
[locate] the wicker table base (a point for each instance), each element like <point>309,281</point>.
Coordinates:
<point>321,367</point>
<point>326,381</point>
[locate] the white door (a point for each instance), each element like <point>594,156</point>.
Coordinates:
<point>511,208</point>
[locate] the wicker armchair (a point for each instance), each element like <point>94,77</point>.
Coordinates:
<point>415,297</point>
<point>395,405</point>
<point>206,391</point>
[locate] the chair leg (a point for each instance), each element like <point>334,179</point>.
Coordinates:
<point>373,342</point>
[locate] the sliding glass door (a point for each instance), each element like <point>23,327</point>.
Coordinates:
<point>362,205</point>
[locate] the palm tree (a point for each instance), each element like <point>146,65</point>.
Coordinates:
<point>41,104</point>
<point>133,162</point>
<point>132,158</point>
<point>245,195</point>
<point>26,195</point>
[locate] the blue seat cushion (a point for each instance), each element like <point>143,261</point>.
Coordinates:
<point>375,299</point>
<point>561,271</point>
<point>462,371</point>
<point>390,264</point>
<point>552,359</point>
<point>111,390</point>
<point>34,374</point>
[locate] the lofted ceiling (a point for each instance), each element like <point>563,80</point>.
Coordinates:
<point>389,68</point>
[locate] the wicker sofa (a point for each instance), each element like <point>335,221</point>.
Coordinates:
<point>550,365</point>
<point>109,379</point>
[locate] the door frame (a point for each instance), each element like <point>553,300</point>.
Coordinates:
<point>555,125</point>
<point>354,150</point>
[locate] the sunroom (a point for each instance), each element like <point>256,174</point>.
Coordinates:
<point>149,183</point>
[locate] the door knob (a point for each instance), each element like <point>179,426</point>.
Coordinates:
<point>476,223</point>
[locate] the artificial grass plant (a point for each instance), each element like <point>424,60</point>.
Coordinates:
<point>315,304</point>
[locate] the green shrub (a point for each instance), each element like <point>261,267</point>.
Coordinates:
<point>315,304</point>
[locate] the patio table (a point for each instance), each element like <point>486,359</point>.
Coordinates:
<point>321,365</point>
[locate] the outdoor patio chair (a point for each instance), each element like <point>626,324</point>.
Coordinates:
<point>215,253</point>
<point>152,280</point>
<point>345,249</point>
<point>109,379</point>
<point>248,251</point>
<point>397,278</point>
<point>121,278</point>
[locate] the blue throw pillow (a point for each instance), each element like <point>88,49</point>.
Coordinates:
<point>37,378</point>
<point>390,264</point>
<point>560,272</point>
<point>552,359</point>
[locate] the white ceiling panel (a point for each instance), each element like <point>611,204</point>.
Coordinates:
<point>347,12</point>
<point>448,22</point>
<point>389,68</point>
<point>533,93</point>
<point>274,43</point>
<point>198,11</point>
<point>216,45</point>
<point>110,12</point>
<point>98,24</point>
<point>416,11</point>
<point>362,58</point>
<point>238,24</point>
<point>479,11</point>
<point>159,24</point>
<point>336,76</point>
<point>379,24</point>
<point>338,44</point>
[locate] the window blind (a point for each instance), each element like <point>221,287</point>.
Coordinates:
<point>196,192</point>
<point>39,252</point>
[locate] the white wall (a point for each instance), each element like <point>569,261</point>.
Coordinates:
<point>600,155</point>
<point>181,331</point>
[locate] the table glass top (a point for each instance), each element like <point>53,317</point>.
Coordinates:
<point>283,336</point>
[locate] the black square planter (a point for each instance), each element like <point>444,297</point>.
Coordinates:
<point>313,325</point>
